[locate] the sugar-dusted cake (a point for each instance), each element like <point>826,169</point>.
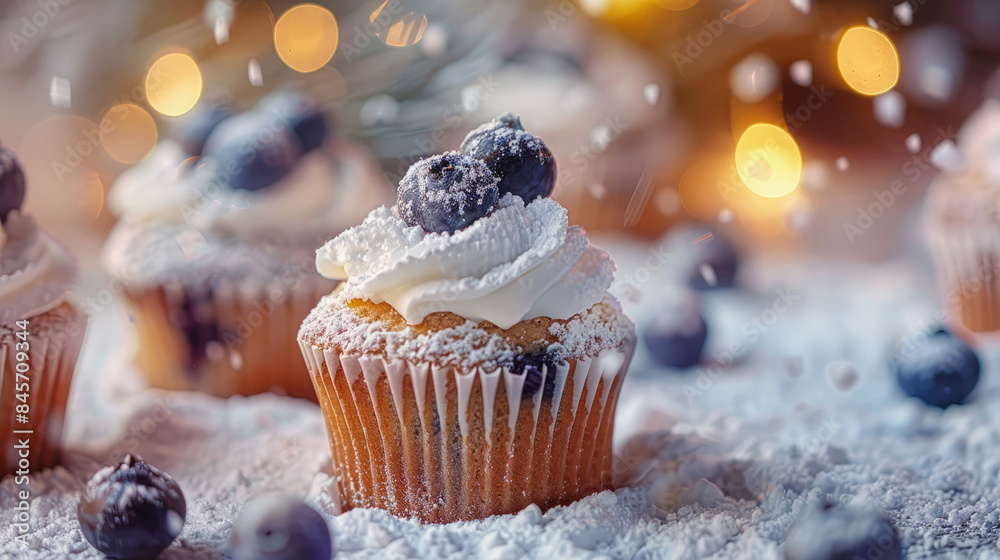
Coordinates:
<point>470,363</point>
<point>41,331</point>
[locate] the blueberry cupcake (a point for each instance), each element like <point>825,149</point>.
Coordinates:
<point>470,363</point>
<point>962,214</point>
<point>215,243</point>
<point>41,331</point>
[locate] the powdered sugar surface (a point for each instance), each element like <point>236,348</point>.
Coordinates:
<point>724,475</point>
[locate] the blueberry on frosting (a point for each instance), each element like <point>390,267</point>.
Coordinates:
<point>131,511</point>
<point>523,164</point>
<point>251,153</point>
<point>303,116</point>
<point>446,193</point>
<point>194,128</point>
<point>11,183</point>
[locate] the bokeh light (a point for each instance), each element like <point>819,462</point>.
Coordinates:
<point>768,160</point>
<point>306,37</point>
<point>128,133</point>
<point>173,84</point>
<point>868,61</point>
<point>398,30</point>
<point>676,5</point>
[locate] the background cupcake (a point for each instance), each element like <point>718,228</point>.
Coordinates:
<point>41,331</point>
<point>471,363</point>
<point>215,242</point>
<point>963,224</point>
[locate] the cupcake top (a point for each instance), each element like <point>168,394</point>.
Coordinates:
<point>473,234</point>
<point>36,272</point>
<point>274,169</point>
<point>972,196</point>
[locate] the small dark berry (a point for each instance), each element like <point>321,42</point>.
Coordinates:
<point>676,336</point>
<point>303,116</point>
<point>832,532</point>
<point>132,511</point>
<point>715,265</point>
<point>250,154</point>
<point>276,527</point>
<point>194,128</point>
<point>522,163</point>
<point>12,187</point>
<point>446,193</point>
<point>941,370</point>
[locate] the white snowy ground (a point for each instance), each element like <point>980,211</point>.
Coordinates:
<point>726,464</point>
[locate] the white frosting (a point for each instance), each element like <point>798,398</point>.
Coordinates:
<point>519,263</point>
<point>329,189</point>
<point>36,272</point>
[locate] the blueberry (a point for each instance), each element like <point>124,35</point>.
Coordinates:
<point>12,187</point>
<point>676,336</point>
<point>446,193</point>
<point>830,532</point>
<point>522,163</point>
<point>131,511</point>
<point>250,153</point>
<point>303,116</point>
<point>194,128</point>
<point>941,370</point>
<point>530,364</point>
<point>715,265</point>
<point>276,527</point>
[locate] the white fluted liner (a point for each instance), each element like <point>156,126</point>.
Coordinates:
<point>479,449</point>
<point>52,354</point>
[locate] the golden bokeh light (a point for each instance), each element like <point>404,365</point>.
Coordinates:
<point>867,61</point>
<point>768,160</point>
<point>676,5</point>
<point>173,84</point>
<point>398,29</point>
<point>306,37</point>
<point>128,133</point>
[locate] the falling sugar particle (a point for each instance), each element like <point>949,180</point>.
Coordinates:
<point>725,215</point>
<point>214,351</point>
<point>59,92</point>
<point>947,157</point>
<point>668,202</point>
<point>383,109</point>
<point>872,23</point>
<point>890,109</point>
<point>903,13</point>
<point>842,375</point>
<point>236,360</point>
<point>815,175</point>
<point>754,78</point>
<point>435,39</point>
<point>598,190</point>
<point>651,93</point>
<point>843,164</point>
<point>801,72</point>
<point>253,70</point>
<point>708,274</point>
<point>913,143</point>
<point>221,31</point>
<point>600,137</point>
<point>804,6</point>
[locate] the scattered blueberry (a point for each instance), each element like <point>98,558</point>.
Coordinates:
<point>830,532</point>
<point>12,187</point>
<point>715,264</point>
<point>523,164</point>
<point>676,336</point>
<point>447,192</point>
<point>194,128</point>
<point>276,527</point>
<point>941,370</point>
<point>131,511</point>
<point>302,115</point>
<point>250,154</point>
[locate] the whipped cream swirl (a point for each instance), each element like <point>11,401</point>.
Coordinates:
<point>36,272</point>
<point>328,190</point>
<point>519,263</point>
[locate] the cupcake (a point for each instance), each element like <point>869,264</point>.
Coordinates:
<point>470,363</point>
<point>962,214</point>
<point>215,243</point>
<point>41,331</point>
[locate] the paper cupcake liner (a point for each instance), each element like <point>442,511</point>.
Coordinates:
<point>443,444</point>
<point>53,347</point>
<point>968,265</point>
<point>248,334</point>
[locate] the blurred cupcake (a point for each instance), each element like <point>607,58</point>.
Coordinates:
<point>41,331</point>
<point>471,362</point>
<point>963,224</point>
<point>216,238</point>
